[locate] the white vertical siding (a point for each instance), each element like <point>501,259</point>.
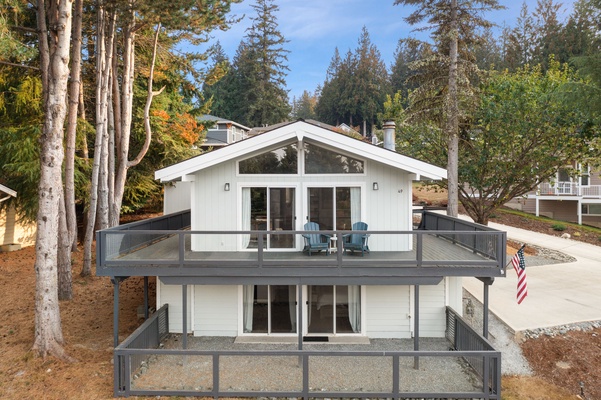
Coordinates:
<point>172,295</point>
<point>387,312</point>
<point>176,197</point>
<point>455,293</point>
<point>215,208</point>
<point>432,310</point>
<point>216,310</point>
<point>389,207</point>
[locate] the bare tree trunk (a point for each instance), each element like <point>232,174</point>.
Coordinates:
<point>54,61</point>
<point>65,271</point>
<point>82,115</point>
<point>452,127</point>
<point>126,116</point>
<point>104,54</point>
<point>74,85</point>
<point>123,150</point>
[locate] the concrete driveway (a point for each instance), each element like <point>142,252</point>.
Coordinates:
<point>558,294</point>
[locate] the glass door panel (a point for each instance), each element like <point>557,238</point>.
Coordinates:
<point>334,309</point>
<point>269,309</point>
<point>269,209</point>
<point>258,215</point>
<point>281,217</point>
<point>321,207</point>
<point>320,309</point>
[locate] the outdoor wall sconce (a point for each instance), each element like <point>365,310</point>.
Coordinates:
<point>375,186</point>
<point>226,187</point>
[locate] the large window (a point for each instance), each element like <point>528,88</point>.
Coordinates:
<point>283,160</point>
<point>322,161</point>
<point>591,209</point>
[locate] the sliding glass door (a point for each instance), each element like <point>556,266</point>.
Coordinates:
<point>334,207</point>
<point>269,209</point>
<point>333,309</point>
<point>269,309</point>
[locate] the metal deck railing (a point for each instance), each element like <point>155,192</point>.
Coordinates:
<point>133,360</point>
<point>442,246</point>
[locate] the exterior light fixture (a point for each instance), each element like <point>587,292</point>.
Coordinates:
<point>226,187</point>
<point>375,186</point>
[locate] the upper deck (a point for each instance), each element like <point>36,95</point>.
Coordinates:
<point>440,246</point>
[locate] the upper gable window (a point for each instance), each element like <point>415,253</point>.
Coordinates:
<point>283,160</point>
<point>322,161</point>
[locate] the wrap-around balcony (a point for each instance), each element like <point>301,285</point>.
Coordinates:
<point>164,246</point>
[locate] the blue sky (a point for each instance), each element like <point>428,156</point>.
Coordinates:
<point>315,28</point>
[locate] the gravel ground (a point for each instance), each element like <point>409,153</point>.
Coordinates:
<point>327,373</point>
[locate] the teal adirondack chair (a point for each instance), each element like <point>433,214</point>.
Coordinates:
<point>356,241</point>
<point>316,242</point>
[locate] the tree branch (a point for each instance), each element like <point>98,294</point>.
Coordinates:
<point>18,65</point>
<point>149,98</point>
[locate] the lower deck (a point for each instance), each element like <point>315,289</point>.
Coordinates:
<point>335,372</point>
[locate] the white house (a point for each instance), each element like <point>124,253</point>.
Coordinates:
<point>321,176</point>
<point>222,132</point>
<point>574,195</point>
<point>14,232</point>
<point>230,254</point>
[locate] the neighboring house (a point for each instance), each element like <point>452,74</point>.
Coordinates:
<point>14,233</point>
<point>241,272</point>
<point>574,196</point>
<point>223,132</point>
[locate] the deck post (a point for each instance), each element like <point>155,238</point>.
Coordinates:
<point>184,317</point>
<point>145,298</point>
<point>299,289</point>
<point>115,311</point>
<point>485,311</point>
<point>416,325</point>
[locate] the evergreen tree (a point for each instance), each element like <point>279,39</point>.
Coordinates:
<point>579,32</point>
<point>370,83</point>
<point>519,41</point>
<point>547,29</point>
<point>455,25</point>
<point>304,107</point>
<point>407,53</point>
<point>355,87</point>
<point>217,88</point>
<point>266,95</point>
<point>326,107</point>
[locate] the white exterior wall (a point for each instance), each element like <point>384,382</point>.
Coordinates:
<point>432,313</point>
<point>14,230</point>
<point>388,208</point>
<point>216,310</point>
<point>388,311</point>
<point>176,197</point>
<point>172,295</point>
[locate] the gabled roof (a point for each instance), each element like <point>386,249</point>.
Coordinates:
<point>299,130</point>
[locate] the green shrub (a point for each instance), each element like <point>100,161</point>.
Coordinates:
<point>559,227</point>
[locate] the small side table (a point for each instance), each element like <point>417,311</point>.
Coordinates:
<point>333,244</point>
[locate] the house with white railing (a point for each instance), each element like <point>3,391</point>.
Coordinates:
<point>222,132</point>
<point>299,237</point>
<point>574,195</point>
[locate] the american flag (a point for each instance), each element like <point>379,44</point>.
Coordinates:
<point>519,265</point>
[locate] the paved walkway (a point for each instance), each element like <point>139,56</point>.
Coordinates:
<point>558,294</point>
